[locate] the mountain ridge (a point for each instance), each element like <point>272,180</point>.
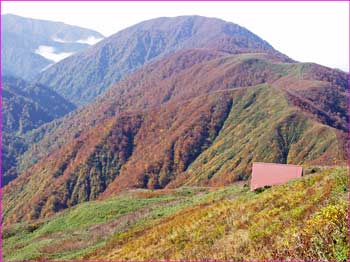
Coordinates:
<point>127,50</point>
<point>161,144</point>
<point>32,45</point>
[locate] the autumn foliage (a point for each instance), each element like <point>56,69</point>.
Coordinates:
<point>198,117</point>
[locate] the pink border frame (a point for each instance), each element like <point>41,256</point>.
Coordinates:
<point>154,260</point>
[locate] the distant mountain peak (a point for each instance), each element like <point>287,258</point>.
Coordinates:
<point>31,45</point>
<point>129,49</point>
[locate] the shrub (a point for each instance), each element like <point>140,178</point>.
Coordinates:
<point>324,235</point>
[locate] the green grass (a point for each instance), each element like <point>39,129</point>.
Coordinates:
<point>95,213</point>
<point>73,223</point>
<point>261,127</point>
<point>291,221</point>
<point>192,222</point>
<point>139,208</point>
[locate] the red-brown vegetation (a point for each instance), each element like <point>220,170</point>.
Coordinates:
<point>146,131</point>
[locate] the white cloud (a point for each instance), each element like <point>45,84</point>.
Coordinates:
<point>59,40</point>
<point>49,53</point>
<point>91,40</point>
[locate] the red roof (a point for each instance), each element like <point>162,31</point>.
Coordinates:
<point>269,174</point>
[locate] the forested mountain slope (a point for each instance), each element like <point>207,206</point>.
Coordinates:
<point>25,107</point>
<point>82,77</point>
<point>198,117</point>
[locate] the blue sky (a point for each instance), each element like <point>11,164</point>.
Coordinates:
<point>305,31</point>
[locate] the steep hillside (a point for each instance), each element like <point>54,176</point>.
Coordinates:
<point>25,107</point>
<point>82,77</point>
<point>304,219</point>
<point>30,45</point>
<point>192,73</point>
<point>12,147</point>
<point>161,125</point>
<point>83,168</point>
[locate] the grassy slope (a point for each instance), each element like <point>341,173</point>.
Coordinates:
<point>285,221</point>
<point>303,219</point>
<point>261,126</point>
<point>78,230</point>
